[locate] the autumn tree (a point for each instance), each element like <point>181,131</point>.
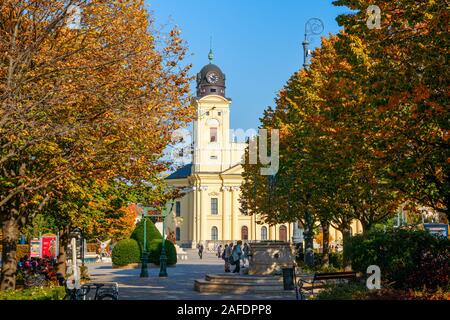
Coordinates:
<point>407,91</point>
<point>98,101</point>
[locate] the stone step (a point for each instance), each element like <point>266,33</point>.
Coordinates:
<point>236,279</point>
<point>204,286</point>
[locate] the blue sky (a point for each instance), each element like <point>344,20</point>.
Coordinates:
<point>257,43</point>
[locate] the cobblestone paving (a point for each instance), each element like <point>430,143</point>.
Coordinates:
<point>179,285</point>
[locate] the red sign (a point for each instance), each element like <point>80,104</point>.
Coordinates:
<point>49,246</point>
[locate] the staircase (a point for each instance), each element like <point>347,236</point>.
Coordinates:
<point>240,284</point>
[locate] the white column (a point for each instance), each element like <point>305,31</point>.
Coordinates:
<point>297,236</point>
<point>225,214</point>
<point>234,218</point>
<point>203,212</point>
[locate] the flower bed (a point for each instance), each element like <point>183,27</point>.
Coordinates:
<point>38,293</point>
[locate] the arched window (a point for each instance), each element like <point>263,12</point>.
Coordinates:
<point>214,234</point>
<point>178,234</point>
<point>264,233</point>
<point>244,233</point>
<point>283,234</point>
<point>212,134</point>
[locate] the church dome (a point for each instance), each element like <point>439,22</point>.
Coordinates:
<point>210,80</point>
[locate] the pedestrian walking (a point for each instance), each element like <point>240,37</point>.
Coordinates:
<point>236,257</point>
<point>245,255</point>
<point>219,251</point>
<point>226,257</point>
<point>200,250</point>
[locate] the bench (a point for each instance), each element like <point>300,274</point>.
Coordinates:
<point>318,280</point>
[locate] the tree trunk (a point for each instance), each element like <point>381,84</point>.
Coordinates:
<point>325,242</point>
<point>9,268</point>
<point>61,266</point>
<point>309,241</point>
<point>366,225</point>
<point>346,255</point>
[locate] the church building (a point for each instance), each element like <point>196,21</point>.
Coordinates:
<point>209,212</point>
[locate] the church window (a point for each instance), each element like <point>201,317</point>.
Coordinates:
<point>214,234</point>
<point>207,113</point>
<point>214,206</point>
<point>283,233</point>
<point>178,209</point>
<point>213,90</point>
<point>213,134</point>
<point>244,233</point>
<point>178,234</point>
<point>219,113</point>
<point>264,233</point>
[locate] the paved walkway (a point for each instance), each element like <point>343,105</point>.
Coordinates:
<point>179,285</point>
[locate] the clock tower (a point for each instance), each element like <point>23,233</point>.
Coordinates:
<point>210,80</point>
<point>212,148</point>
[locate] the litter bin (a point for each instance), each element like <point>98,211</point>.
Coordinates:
<point>288,278</point>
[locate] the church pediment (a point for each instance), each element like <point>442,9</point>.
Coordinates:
<point>235,170</point>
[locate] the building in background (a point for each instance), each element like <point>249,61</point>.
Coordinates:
<point>209,211</point>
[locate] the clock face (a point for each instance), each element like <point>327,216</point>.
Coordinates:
<point>212,77</point>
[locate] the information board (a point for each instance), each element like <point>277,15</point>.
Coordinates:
<point>35,248</point>
<point>49,245</point>
<point>440,229</point>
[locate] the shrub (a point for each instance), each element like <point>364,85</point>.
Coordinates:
<point>22,250</point>
<point>155,248</point>
<point>152,233</point>
<point>335,263</point>
<point>38,293</point>
<point>407,259</point>
<point>125,252</point>
<point>393,294</point>
<point>344,291</point>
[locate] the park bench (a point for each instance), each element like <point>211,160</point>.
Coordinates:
<point>319,280</point>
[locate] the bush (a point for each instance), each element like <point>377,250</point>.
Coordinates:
<point>152,233</point>
<point>335,263</point>
<point>393,294</point>
<point>344,291</point>
<point>155,248</point>
<point>125,252</point>
<point>38,293</point>
<point>22,251</point>
<point>407,259</point>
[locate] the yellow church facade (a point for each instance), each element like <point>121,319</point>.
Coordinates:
<point>209,212</point>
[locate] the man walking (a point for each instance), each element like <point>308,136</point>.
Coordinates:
<point>219,251</point>
<point>226,256</point>
<point>200,250</point>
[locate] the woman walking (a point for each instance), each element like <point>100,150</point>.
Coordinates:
<point>236,256</point>
<point>219,251</point>
<point>226,256</point>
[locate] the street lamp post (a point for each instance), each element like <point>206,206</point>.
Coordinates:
<point>144,257</point>
<point>163,257</point>
<point>313,26</point>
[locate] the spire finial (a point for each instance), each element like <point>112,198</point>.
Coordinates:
<point>210,55</point>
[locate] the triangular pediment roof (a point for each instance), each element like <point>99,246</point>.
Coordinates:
<point>234,170</point>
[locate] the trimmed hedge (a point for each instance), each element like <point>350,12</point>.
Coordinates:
<point>155,247</point>
<point>408,259</point>
<point>125,252</point>
<point>152,233</point>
